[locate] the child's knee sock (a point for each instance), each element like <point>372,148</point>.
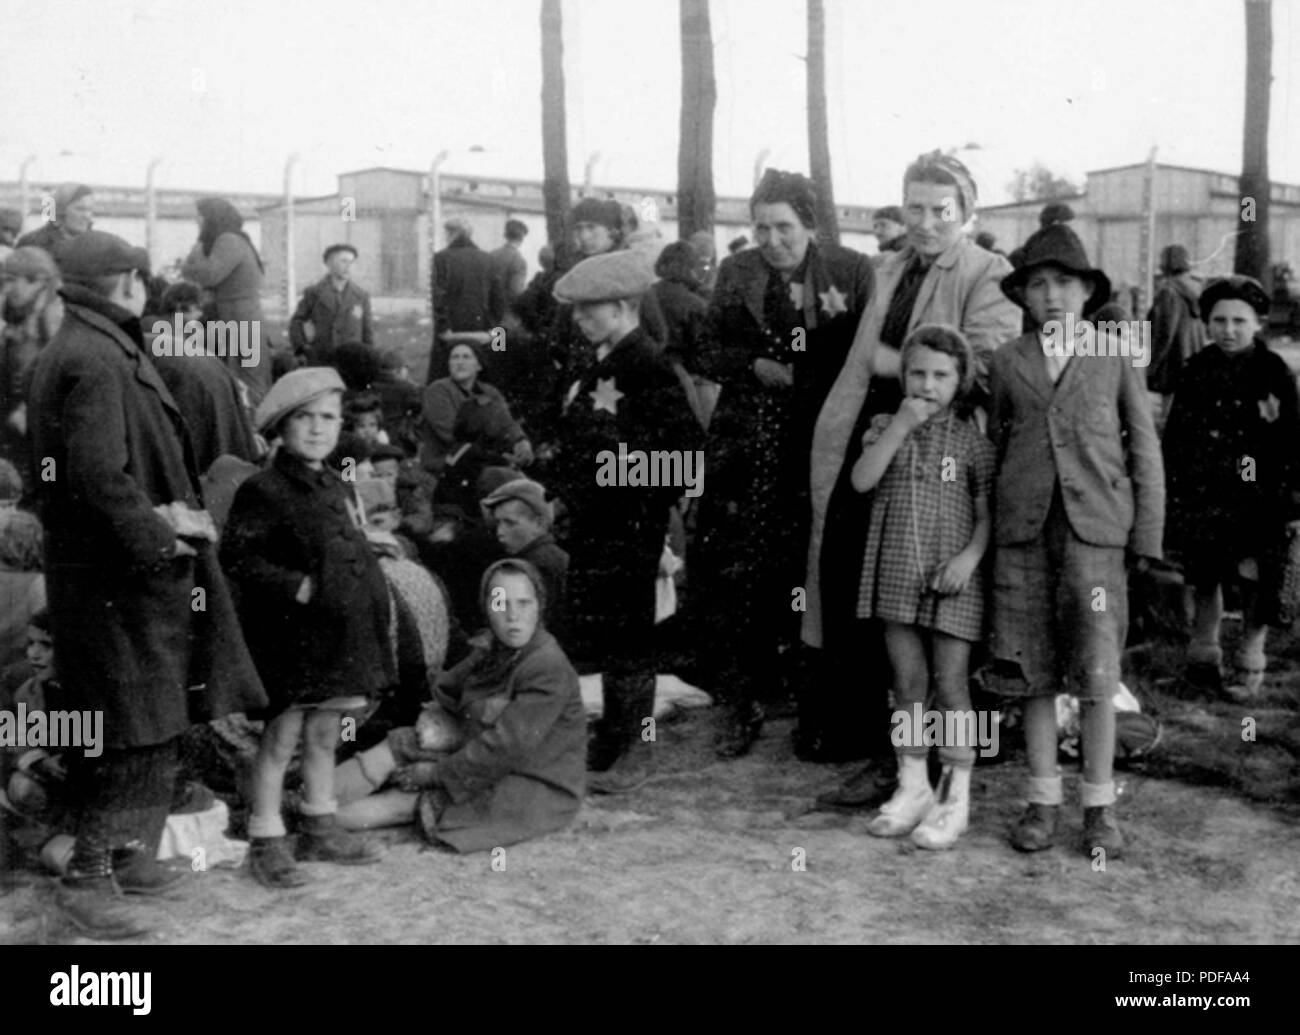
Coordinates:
<point>1044,790</point>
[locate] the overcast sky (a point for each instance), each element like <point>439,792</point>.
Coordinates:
<point>224,91</point>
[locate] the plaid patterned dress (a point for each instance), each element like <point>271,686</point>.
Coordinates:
<point>922,515</point>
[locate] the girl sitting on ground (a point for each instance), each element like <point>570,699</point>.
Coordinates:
<point>933,473</point>
<point>501,757</point>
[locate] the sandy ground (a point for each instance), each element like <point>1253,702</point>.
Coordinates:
<point>707,853</point>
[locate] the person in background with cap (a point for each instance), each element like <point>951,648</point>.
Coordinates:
<point>780,323</point>
<point>332,312</point>
<point>511,267</point>
<point>889,229</point>
<point>468,296</point>
<point>74,210</point>
<point>1079,482</point>
<point>939,276</point>
<point>127,547</point>
<point>626,400</point>
<point>33,312</point>
<point>224,261</point>
<point>315,606</point>
<point>1177,333</point>
<point>1230,451</point>
<point>523,520</point>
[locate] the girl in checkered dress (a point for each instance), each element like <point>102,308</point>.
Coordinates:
<point>932,471</point>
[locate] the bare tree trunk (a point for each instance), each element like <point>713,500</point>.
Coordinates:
<point>555,147</point>
<point>819,146</point>
<point>1252,243</point>
<point>695,196</point>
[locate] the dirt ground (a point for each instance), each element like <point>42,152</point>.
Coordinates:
<point>706,854</point>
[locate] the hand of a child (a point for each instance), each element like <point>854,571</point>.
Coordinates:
<point>305,590</point>
<point>416,776</point>
<point>180,548</point>
<point>522,454</point>
<point>914,412</point>
<point>954,576</point>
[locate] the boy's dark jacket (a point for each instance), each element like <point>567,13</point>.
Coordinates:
<point>123,612</point>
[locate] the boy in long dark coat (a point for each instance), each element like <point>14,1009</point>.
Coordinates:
<point>628,400</point>
<point>128,551</point>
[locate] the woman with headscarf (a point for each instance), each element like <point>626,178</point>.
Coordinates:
<point>939,276</point>
<point>225,262</point>
<point>780,324</point>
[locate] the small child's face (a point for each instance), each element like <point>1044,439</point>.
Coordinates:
<point>385,469</point>
<point>385,519</point>
<point>312,432</point>
<point>932,376</point>
<point>512,609</point>
<point>366,425</point>
<point>517,525</point>
<point>1233,324</point>
<point>40,651</point>
<point>1052,293</point>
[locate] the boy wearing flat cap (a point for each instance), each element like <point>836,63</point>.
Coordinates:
<point>626,399</point>
<point>523,518</point>
<point>334,311</point>
<point>127,544</point>
<point>1230,450</point>
<point>1079,481</point>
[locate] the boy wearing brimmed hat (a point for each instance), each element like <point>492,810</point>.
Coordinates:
<point>315,607</point>
<point>627,399</point>
<point>1177,333</point>
<point>1079,480</point>
<point>1230,449</point>
<point>523,518</point>
<point>332,312</point>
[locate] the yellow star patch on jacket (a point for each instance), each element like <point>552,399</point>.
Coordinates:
<point>606,396</point>
<point>832,301</point>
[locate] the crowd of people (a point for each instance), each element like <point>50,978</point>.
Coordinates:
<point>908,493</point>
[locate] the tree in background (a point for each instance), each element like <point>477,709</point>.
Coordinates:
<point>555,146</point>
<point>1251,258</point>
<point>696,199</point>
<point>819,147</point>
<point>1039,183</point>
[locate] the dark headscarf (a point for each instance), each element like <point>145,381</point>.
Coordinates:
<point>794,189</point>
<point>221,217</point>
<point>680,263</point>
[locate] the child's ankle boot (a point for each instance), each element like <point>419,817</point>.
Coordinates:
<point>272,864</point>
<point>323,840</point>
<point>950,816</point>
<point>899,816</point>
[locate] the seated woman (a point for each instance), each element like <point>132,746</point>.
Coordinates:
<point>503,758</point>
<point>466,426</point>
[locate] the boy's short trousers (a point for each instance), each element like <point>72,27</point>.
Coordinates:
<point>1060,614</point>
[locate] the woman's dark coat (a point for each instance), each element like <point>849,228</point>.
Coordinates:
<point>131,627</point>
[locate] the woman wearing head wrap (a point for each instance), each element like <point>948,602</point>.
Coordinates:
<point>73,210</point>
<point>939,276</point>
<point>780,323</point>
<point>225,261</point>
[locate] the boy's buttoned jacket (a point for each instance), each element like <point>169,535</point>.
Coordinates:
<point>1113,491</point>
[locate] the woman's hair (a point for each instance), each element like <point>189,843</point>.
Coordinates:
<point>937,167</point>
<point>793,189</point>
<point>22,542</point>
<point>221,217</point>
<point>679,262</point>
<point>512,566</point>
<point>478,355</point>
<point>941,338</point>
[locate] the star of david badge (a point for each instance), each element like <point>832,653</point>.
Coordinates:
<point>1270,409</point>
<point>606,396</point>
<point>832,301</point>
